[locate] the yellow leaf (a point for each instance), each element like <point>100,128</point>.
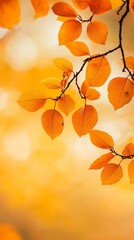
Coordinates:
<point>32,100</point>
<point>130,62</point>
<point>97,31</point>
<point>131,171</point>
<point>64,9</point>
<point>99,6</point>
<point>84,119</point>
<point>102,161</point>
<point>9,13</point>
<point>41,7</point>
<point>63,64</point>
<point>53,123</point>
<point>52,82</point>
<point>69,31</point>
<point>111,174</point>
<point>97,71</point>
<point>89,93</point>
<point>128,150</point>
<point>80,4</point>
<point>66,104</point>
<point>120,91</point>
<point>78,48</point>
<point>101,139</point>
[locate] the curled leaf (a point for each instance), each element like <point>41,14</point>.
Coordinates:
<point>111,174</point>
<point>128,150</point>
<point>84,119</point>
<point>52,83</point>
<point>101,139</point>
<point>97,31</point>
<point>9,13</point>
<point>64,9</point>
<point>41,7</point>
<point>66,104</point>
<point>32,100</point>
<point>69,31</point>
<point>102,161</point>
<point>53,123</point>
<point>120,91</point>
<point>97,71</point>
<point>99,6</point>
<point>78,48</point>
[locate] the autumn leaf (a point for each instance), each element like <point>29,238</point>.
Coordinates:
<point>128,150</point>
<point>41,7</point>
<point>66,104</point>
<point>32,100</point>
<point>111,174</point>
<point>53,123</point>
<point>64,9</point>
<point>80,4</point>
<point>120,91</point>
<point>99,6</point>
<point>52,82</point>
<point>9,13</point>
<point>69,31</point>
<point>132,4</point>
<point>84,119</point>
<point>64,19</point>
<point>89,93</point>
<point>63,64</point>
<point>97,71</point>
<point>131,171</point>
<point>102,161</point>
<point>101,139</point>
<point>7,232</point>
<point>130,63</point>
<point>78,48</point>
<point>97,31</point>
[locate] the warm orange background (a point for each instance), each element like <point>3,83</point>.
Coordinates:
<point>46,189</point>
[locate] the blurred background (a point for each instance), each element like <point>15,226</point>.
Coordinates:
<point>46,189</point>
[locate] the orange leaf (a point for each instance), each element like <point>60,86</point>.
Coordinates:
<point>41,7</point>
<point>128,150</point>
<point>97,31</point>
<point>9,13</point>
<point>69,31</point>
<point>132,4</point>
<point>89,93</point>
<point>52,82</point>
<point>7,232</point>
<point>130,62</point>
<point>64,64</point>
<point>99,6</point>
<point>64,9</point>
<point>53,123</point>
<point>97,71</point>
<point>102,161</point>
<point>63,19</point>
<point>32,100</point>
<point>120,91</point>
<point>66,104</point>
<point>131,171</point>
<point>80,4</point>
<point>78,48</point>
<point>101,139</point>
<point>111,174</point>
<point>84,119</point>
